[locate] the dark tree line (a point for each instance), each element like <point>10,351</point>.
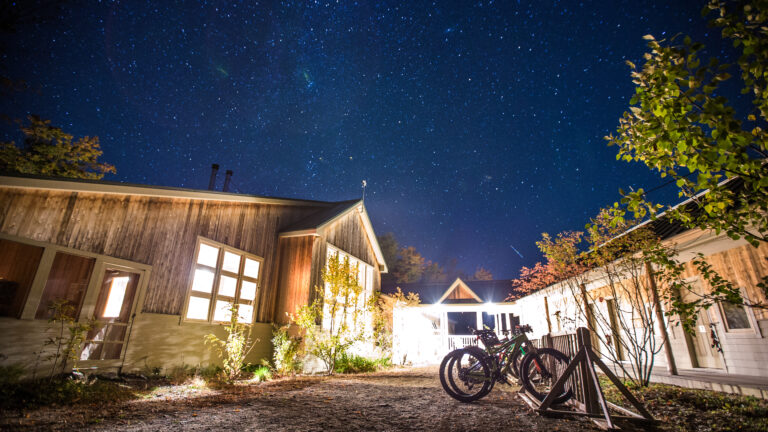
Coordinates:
<point>407,265</point>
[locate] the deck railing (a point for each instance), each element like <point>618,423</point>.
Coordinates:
<point>455,342</point>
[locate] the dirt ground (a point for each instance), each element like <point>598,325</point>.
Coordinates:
<point>407,399</point>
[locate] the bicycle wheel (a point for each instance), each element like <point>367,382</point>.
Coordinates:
<point>465,376</point>
<point>490,362</point>
<point>541,369</point>
<point>515,359</point>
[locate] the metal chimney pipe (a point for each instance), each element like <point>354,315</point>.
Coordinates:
<point>227,179</point>
<point>212,182</point>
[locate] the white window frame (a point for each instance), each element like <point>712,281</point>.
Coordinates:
<point>90,297</point>
<point>754,327</point>
<point>214,296</point>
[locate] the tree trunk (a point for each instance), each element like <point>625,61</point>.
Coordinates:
<point>671,366</point>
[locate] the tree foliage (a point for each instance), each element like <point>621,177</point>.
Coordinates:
<point>433,273</point>
<point>681,125</point>
<point>47,150</point>
<point>339,307</point>
<point>235,348</point>
<point>482,274</point>
<point>389,248</point>
<point>409,266</point>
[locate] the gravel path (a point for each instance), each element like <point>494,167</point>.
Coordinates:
<point>408,399</point>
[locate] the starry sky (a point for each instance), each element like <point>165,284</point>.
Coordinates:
<point>477,125</point>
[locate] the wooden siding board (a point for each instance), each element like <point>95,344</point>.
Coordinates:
<point>348,234</point>
<point>295,262</point>
<point>161,232</point>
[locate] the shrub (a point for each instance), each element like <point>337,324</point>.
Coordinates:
<point>262,373</point>
<point>286,351</point>
<point>235,348</point>
<point>338,308</point>
<point>351,363</point>
<point>181,374</point>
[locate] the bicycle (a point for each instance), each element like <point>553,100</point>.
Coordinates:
<point>470,373</point>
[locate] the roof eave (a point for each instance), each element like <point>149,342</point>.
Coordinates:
<point>79,185</point>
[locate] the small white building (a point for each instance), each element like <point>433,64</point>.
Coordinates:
<point>446,316</point>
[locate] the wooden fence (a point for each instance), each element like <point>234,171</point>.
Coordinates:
<point>566,343</point>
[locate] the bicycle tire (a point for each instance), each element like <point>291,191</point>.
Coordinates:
<point>465,376</point>
<point>490,362</point>
<point>515,359</point>
<point>537,383</point>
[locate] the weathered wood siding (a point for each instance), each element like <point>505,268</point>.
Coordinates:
<point>293,288</point>
<point>745,266</point>
<point>161,232</point>
<point>347,234</point>
<point>460,293</point>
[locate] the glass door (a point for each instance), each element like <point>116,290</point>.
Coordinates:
<point>112,315</point>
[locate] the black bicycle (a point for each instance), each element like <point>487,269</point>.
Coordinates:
<point>470,373</point>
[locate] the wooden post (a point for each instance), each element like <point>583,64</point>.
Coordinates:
<point>671,366</point>
<point>590,397</point>
<point>587,310</point>
<point>546,341</point>
<point>546,311</point>
<point>594,399</point>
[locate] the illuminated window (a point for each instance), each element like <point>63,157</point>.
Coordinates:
<point>222,278</point>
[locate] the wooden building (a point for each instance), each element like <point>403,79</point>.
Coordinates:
<point>159,268</point>
<point>728,339</point>
<point>446,316</point>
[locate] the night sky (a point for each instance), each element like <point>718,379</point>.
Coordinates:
<point>477,125</point>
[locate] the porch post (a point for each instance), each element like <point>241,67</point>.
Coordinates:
<point>444,330</point>
<point>479,316</point>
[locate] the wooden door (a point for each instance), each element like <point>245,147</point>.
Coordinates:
<point>701,341</point>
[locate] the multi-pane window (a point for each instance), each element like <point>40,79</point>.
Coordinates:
<point>735,316</point>
<point>18,264</point>
<point>222,278</point>
<point>67,283</point>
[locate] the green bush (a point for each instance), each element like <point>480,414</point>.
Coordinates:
<point>262,373</point>
<point>350,363</point>
<point>10,374</point>
<point>384,362</point>
<point>287,350</point>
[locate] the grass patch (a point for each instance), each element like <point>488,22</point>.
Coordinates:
<point>350,363</point>
<point>683,409</point>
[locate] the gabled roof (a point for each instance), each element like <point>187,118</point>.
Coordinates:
<point>460,288</point>
<point>479,291</point>
<point>321,219</point>
<point>317,222</point>
<point>332,210</point>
